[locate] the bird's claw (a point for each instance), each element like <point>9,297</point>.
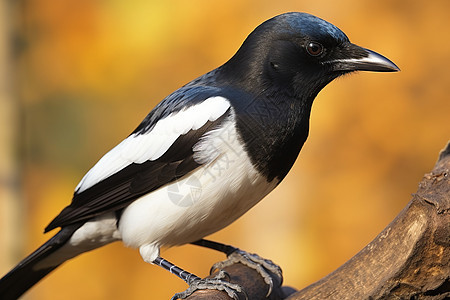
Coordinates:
<point>233,290</point>
<point>263,266</point>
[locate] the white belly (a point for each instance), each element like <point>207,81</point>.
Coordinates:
<point>205,201</point>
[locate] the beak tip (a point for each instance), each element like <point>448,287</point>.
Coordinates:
<point>380,63</point>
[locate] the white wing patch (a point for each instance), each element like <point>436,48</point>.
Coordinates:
<point>138,148</point>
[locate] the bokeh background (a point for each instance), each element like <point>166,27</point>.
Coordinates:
<point>77,76</point>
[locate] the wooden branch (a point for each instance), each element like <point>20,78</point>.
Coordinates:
<point>409,259</point>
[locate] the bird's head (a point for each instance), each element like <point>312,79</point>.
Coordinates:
<point>299,54</point>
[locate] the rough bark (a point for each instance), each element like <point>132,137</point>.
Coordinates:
<point>409,259</point>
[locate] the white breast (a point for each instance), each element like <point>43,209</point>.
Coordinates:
<point>204,201</point>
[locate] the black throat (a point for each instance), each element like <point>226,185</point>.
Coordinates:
<point>274,126</point>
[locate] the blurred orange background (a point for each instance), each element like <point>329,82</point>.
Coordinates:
<point>83,74</point>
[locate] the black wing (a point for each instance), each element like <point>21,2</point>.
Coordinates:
<point>137,179</point>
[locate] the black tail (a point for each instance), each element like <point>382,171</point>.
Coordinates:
<point>25,275</point>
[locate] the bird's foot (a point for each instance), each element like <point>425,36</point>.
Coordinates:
<point>233,290</point>
<point>263,266</point>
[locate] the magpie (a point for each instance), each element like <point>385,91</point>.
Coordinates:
<point>205,154</point>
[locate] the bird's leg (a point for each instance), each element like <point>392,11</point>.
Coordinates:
<point>235,255</point>
<point>227,249</point>
<point>196,283</point>
<point>177,271</point>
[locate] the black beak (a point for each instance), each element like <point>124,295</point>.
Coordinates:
<point>355,58</point>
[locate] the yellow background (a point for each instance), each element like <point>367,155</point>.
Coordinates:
<point>87,72</point>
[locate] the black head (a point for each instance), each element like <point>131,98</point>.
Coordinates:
<point>298,54</point>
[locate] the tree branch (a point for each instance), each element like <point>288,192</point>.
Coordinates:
<point>409,259</point>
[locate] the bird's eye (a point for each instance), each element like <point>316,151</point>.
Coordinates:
<point>314,48</point>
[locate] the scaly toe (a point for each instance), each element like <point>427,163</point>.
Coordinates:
<point>233,290</point>
<point>254,261</point>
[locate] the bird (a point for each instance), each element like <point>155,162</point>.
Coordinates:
<point>206,154</point>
